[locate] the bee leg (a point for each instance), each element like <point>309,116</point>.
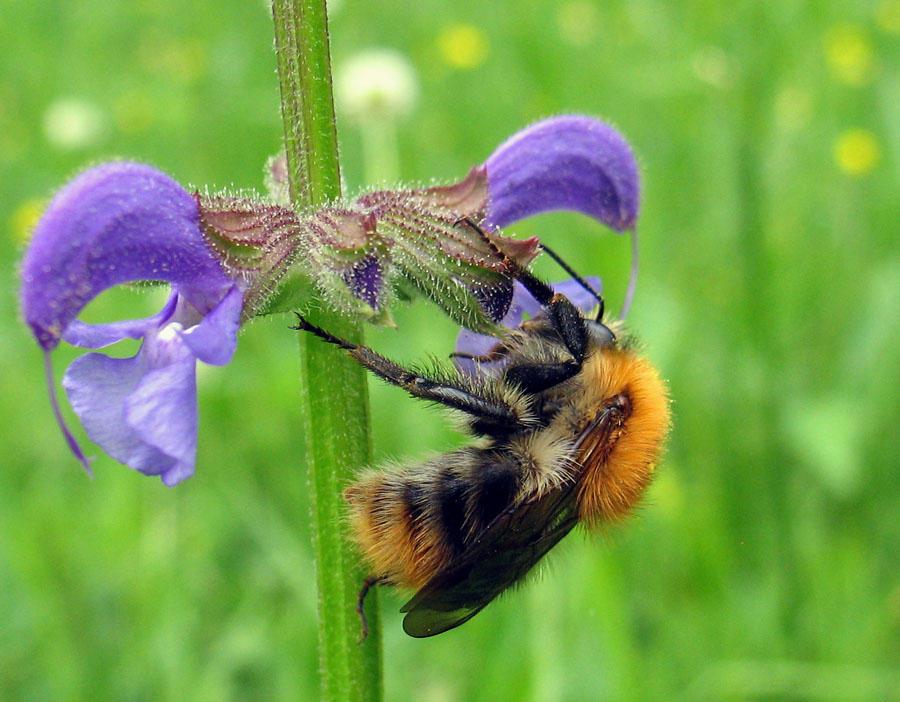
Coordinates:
<point>477,357</point>
<point>367,585</point>
<point>303,325</point>
<point>569,323</point>
<point>454,391</point>
<point>535,378</point>
<point>490,357</point>
<point>564,316</point>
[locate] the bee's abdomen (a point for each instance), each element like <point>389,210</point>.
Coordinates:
<point>411,522</point>
<point>450,508</point>
<point>389,522</point>
<point>493,488</point>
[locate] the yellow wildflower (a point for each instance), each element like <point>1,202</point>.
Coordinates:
<point>463,46</point>
<point>857,151</point>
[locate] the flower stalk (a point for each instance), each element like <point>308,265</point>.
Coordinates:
<point>333,388</point>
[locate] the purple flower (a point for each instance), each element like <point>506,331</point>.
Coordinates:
<point>562,163</point>
<point>118,223</point>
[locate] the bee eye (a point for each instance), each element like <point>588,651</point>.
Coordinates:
<point>600,333</point>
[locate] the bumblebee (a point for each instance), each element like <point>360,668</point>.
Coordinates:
<point>570,423</point>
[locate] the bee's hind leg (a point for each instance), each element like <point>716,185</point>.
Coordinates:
<point>367,585</point>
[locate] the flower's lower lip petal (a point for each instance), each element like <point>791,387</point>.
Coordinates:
<point>468,344</point>
<point>97,387</point>
<point>162,411</point>
<point>98,336</point>
<point>214,339</point>
<point>573,163</point>
<point>522,302</point>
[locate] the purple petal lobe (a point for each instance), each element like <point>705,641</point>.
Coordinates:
<point>97,387</point>
<point>365,280</point>
<point>214,339</point>
<point>143,417</point>
<point>113,224</point>
<point>571,163</point>
<point>163,413</point>
<point>143,410</point>
<point>98,336</point>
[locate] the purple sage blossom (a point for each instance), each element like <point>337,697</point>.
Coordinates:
<point>118,223</point>
<point>573,163</point>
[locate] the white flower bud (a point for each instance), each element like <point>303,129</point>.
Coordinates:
<point>73,123</point>
<point>376,84</point>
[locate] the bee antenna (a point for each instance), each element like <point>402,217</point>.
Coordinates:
<point>577,278</point>
<point>537,288</point>
<point>541,292</point>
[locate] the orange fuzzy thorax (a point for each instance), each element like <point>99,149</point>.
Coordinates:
<point>615,480</point>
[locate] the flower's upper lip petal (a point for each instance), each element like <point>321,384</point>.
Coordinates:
<point>573,163</point>
<point>97,336</point>
<point>214,339</point>
<point>115,223</point>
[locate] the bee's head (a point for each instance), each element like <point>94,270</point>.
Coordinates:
<point>600,334</point>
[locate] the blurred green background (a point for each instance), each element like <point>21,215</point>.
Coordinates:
<point>765,563</point>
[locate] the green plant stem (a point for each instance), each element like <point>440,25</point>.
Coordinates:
<point>333,388</point>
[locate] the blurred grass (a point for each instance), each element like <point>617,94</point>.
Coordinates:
<point>766,561</point>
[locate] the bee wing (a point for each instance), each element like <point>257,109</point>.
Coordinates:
<point>504,552</point>
<point>501,555</point>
